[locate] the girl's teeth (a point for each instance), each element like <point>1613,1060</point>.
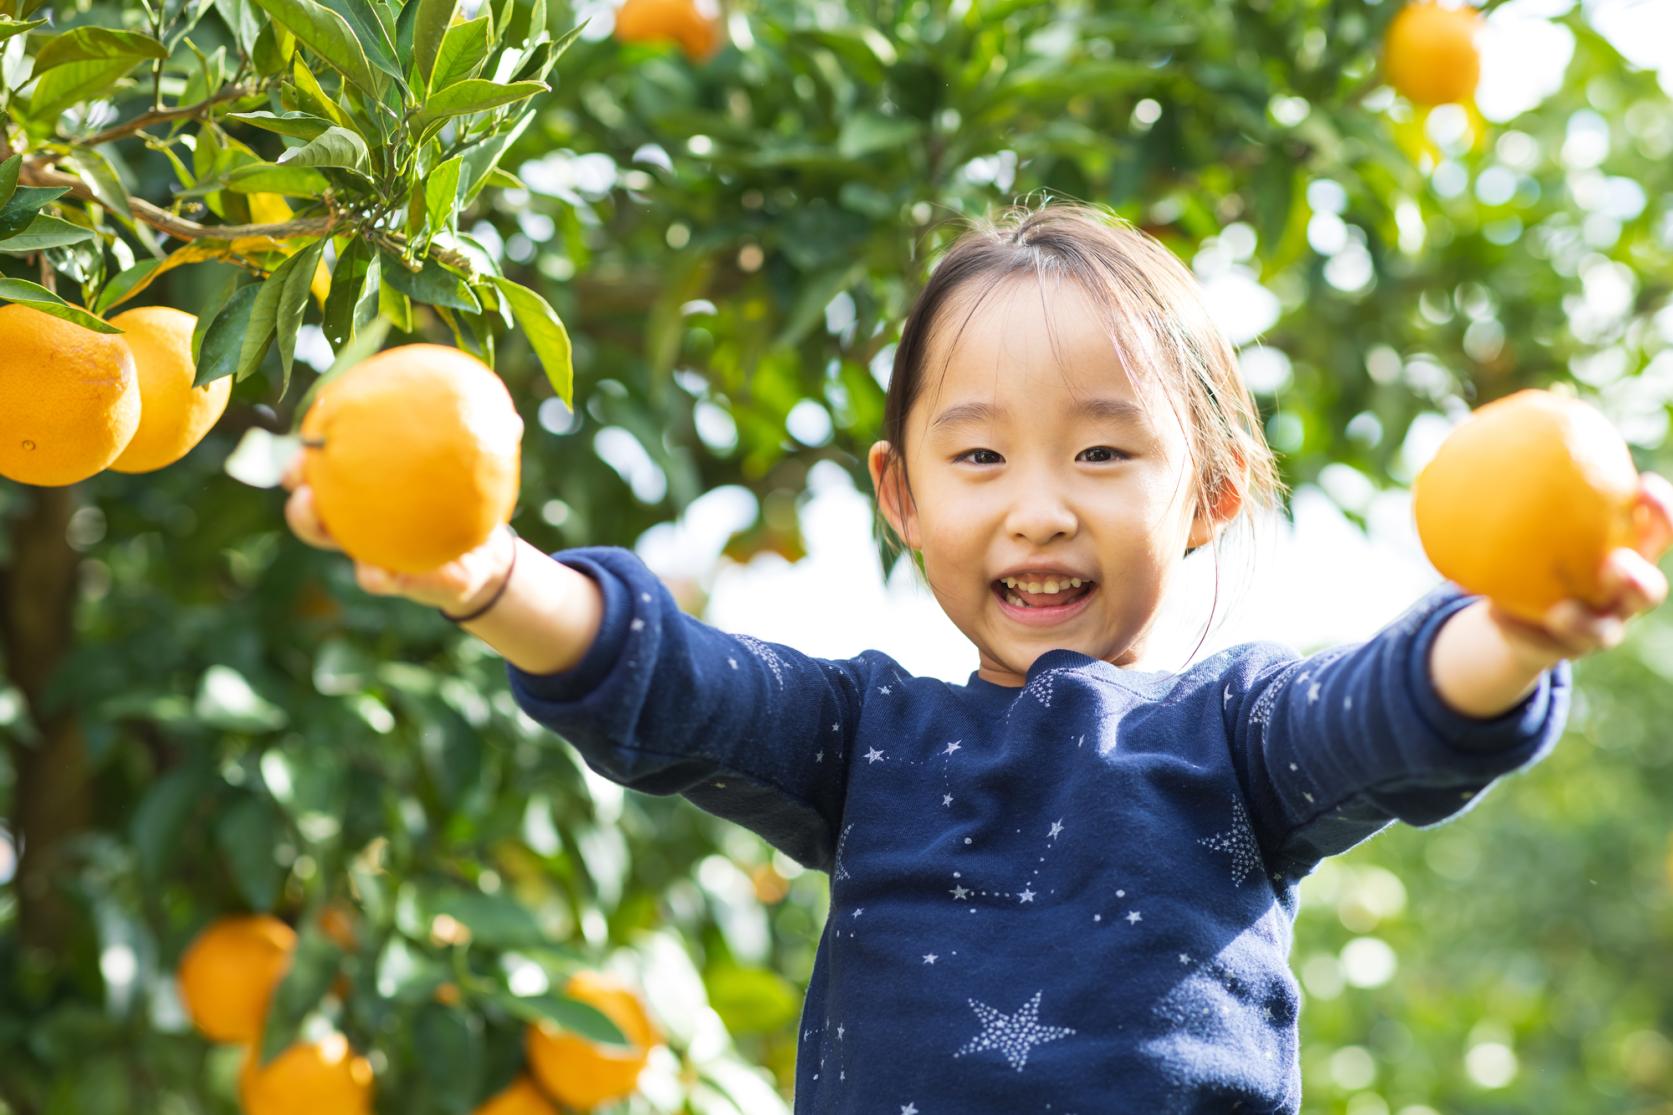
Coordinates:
<point>1050,587</point>
<point>1016,601</point>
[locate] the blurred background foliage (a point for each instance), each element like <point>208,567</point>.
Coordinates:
<point>732,242</point>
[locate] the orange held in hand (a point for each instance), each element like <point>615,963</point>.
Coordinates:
<point>1430,55</point>
<point>582,1073</point>
<point>228,974</point>
<point>413,457</point>
<point>310,1078</point>
<point>681,21</point>
<point>69,398</point>
<point>174,416</point>
<point>1525,501</point>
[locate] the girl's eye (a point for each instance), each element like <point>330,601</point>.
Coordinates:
<point>1107,456</point>
<point>971,454</point>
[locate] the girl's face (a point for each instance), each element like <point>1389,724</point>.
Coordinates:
<point>1032,462</point>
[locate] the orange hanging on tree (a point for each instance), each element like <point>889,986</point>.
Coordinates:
<point>691,23</point>
<point>1430,54</point>
<point>582,1073</point>
<point>310,1078</point>
<point>69,398</point>
<point>229,971</point>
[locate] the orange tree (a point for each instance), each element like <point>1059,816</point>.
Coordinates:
<point>203,718</point>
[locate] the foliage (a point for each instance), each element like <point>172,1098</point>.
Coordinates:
<point>201,716</point>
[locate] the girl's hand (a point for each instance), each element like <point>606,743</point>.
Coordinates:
<point>1572,627</point>
<point>458,587</point>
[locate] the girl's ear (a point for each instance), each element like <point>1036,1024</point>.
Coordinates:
<point>1222,508</point>
<point>888,479</point>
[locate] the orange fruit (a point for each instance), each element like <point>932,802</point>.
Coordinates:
<point>680,21</point>
<point>520,1097</point>
<point>229,971</point>
<point>413,456</point>
<point>1524,501</point>
<point>310,1078</point>
<point>69,398</point>
<point>582,1073</point>
<point>174,416</point>
<point>1430,54</point>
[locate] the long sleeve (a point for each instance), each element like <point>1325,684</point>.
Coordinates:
<point>1332,748</point>
<point>754,732</point>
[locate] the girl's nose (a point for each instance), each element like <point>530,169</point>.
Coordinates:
<point>1039,515</point>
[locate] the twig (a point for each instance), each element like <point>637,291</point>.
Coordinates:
<point>160,115</point>
<point>49,277</point>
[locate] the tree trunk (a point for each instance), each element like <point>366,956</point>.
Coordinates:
<point>51,802</point>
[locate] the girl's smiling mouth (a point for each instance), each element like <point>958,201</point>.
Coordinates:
<point>1041,603</point>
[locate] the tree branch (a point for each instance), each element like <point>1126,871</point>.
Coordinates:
<point>161,115</point>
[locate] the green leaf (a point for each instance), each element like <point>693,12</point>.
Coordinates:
<point>161,815</point>
<point>25,202</point>
<point>77,81</point>
<point>84,44</point>
<point>481,158</point>
<point>8,178</point>
<point>130,281</point>
<point>297,125</point>
<point>441,194</point>
<point>462,52</point>
<point>368,20</point>
<point>221,353</point>
<point>865,133</point>
<point>451,1053</point>
<point>10,27</point>
<point>101,178</point>
<point>546,335</point>
<point>226,701</point>
<point>565,1013</point>
<point>353,300</point>
<point>495,921</point>
<point>313,966</point>
<point>278,310</point>
<point>434,284</point>
<point>472,95</point>
<point>333,147</point>
<point>44,232</point>
<point>247,833</point>
<point>268,178</point>
<point>430,23</point>
<point>25,293</point>
<point>752,1000</point>
<point>328,35</point>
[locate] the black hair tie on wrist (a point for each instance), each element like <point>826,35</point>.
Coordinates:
<point>499,592</point>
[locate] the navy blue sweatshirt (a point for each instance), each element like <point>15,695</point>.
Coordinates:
<point>1074,897</point>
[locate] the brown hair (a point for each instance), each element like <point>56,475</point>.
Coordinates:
<point>1152,305</point>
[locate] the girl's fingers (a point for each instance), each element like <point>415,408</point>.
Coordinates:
<point>1653,516</point>
<point>304,520</point>
<point>1639,586</point>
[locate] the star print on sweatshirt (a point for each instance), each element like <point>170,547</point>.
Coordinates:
<point>1038,891</point>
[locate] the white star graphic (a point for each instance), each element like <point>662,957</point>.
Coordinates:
<point>732,662</point>
<point>1312,692</point>
<point>951,747</point>
<point>873,755</point>
<point>959,892</point>
<point>1134,917</point>
<point>909,1109</point>
<point>930,958</point>
<point>818,756</point>
<point>1184,959</point>
<point>839,1033</point>
<point>946,799</point>
<point>1056,827</point>
<point>1012,1034</point>
<point>637,624</point>
<point>1026,895</point>
<point>858,910</point>
<point>883,689</point>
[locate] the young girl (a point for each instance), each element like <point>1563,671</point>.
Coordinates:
<point>1068,885</point>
